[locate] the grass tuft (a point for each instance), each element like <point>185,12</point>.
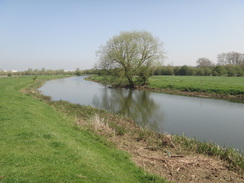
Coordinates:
<point>234,158</point>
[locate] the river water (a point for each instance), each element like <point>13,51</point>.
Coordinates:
<point>210,120</point>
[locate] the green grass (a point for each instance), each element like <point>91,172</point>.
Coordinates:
<point>205,84</point>
<point>209,84</point>
<point>40,144</point>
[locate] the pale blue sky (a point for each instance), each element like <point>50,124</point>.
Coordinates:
<point>65,34</point>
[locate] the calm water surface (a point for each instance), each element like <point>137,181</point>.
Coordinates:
<point>219,121</point>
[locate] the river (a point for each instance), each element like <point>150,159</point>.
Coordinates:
<point>210,120</point>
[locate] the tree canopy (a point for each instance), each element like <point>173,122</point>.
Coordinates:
<point>136,53</point>
<point>233,58</point>
<point>204,62</point>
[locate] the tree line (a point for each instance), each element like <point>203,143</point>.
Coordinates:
<point>218,70</point>
<point>42,71</point>
<point>229,64</point>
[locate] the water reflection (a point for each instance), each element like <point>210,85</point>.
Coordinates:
<point>133,103</point>
<point>205,119</point>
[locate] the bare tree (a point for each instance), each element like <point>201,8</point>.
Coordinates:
<point>233,58</point>
<point>204,62</point>
<point>135,52</point>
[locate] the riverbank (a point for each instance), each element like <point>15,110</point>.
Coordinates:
<point>42,144</point>
<point>49,142</point>
<point>226,88</point>
<point>177,158</point>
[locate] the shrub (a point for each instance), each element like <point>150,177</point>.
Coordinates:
<point>219,71</point>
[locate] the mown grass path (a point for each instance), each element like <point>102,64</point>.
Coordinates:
<point>40,144</point>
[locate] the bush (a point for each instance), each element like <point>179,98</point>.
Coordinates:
<point>219,71</point>
<point>185,71</point>
<point>168,70</point>
<point>231,71</point>
<point>200,72</point>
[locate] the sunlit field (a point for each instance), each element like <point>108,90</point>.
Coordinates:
<point>222,85</point>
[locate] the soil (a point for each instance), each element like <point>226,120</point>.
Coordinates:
<point>167,162</point>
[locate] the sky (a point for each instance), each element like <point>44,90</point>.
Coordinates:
<point>65,34</point>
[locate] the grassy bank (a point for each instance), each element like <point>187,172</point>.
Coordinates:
<point>208,84</point>
<point>41,144</point>
<point>110,125</point>
<point>229,88</point>
<point>46,141</point>
<point>174,157</point>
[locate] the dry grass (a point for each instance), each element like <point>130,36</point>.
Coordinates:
<point>158,154</point>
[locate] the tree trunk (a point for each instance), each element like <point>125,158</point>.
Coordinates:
<point>131,82</point>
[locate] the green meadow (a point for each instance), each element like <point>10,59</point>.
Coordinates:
<point>209,84</point>
<point>40,144</point>
<point>221,87</point>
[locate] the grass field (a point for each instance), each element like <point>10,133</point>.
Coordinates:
<point>40,144</point>
<point>222,85</point>
<point>227,88</point>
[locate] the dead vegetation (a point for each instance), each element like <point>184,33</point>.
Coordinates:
<point>159,154</point>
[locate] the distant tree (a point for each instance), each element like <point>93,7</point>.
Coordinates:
<point>157,71</point>
<point>234,70</point>
<point>43,71</point>
<point>200,72</point>
<point>219,70</point>
<point>176,70</point>
<point>77,72</point>
<point>222,59</point>
<point>136,53</point>
<point>29,72</point>
<point>167,70</point>
<point>185,71</point>
<point>204,62</point>
<point>239,70</point>
<point>233,58</point>
<point>231,71</point>
<point>207,71</point>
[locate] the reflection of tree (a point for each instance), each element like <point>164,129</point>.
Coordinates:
<point>132,103</point>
